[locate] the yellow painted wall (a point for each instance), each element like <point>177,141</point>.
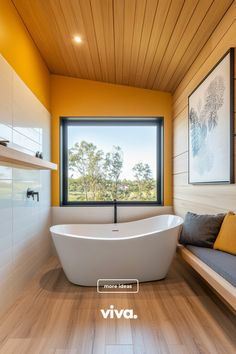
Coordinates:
<point>19,50</point>
<point>76,97</point>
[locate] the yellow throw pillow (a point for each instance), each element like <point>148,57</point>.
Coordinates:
<point>226,239</point>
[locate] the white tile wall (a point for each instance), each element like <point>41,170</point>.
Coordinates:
<point>24,223</point>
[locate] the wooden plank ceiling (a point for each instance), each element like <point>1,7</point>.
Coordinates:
<point>142,43</point>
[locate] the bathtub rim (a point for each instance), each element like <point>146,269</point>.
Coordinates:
<point>178,224</point>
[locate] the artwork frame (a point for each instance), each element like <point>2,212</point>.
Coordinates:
<point>211,123</point>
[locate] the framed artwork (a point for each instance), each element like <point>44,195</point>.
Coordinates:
<point>210,125</point>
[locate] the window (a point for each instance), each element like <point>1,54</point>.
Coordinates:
<point>107,159</point>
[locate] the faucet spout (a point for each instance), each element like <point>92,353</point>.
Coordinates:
<point>115,211</point>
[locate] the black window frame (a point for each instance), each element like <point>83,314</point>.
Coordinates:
<point>68,121</point>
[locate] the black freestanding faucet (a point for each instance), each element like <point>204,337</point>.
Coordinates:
<point>115,211</point>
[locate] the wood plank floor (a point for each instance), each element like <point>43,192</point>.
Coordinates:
<point>178,315</point>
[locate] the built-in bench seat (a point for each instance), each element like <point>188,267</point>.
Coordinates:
<point>222,263</point>
<point>216,267</point>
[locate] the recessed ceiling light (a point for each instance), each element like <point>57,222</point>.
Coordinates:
<point>77,39</point>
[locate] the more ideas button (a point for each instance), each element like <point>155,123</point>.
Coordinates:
<point>117,286</point>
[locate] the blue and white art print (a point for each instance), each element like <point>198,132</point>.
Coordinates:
<point>210,127</point>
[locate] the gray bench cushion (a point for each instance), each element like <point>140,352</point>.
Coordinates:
<point>222,263</point>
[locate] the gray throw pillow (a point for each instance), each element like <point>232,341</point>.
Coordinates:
<point>201,230</point>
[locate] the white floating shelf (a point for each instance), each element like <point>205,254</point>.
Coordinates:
<point>22,160</point>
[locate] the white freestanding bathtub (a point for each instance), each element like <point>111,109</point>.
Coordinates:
<point>140,250</point>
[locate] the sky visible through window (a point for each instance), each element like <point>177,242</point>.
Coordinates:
<point>138,144</point>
